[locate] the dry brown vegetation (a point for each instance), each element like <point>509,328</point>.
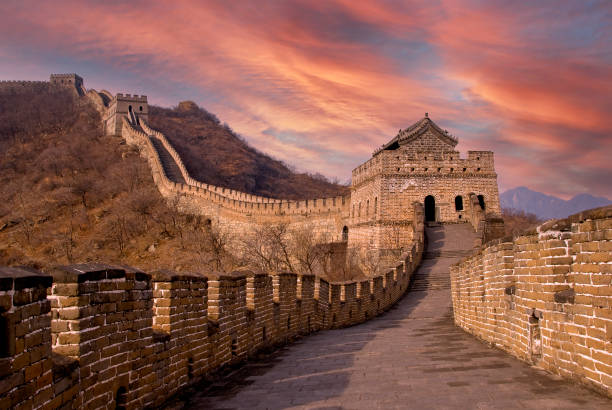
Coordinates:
<point>71,195</point>
<point>517,222</point>
<point>214,154</point>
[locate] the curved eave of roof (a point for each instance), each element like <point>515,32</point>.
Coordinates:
<point>416,130</point>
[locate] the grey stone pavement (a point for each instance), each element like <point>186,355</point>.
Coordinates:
<point>411,357</point>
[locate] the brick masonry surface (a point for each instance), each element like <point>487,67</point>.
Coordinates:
<point>411,357</point>
<point>102,336</point>
<point>545,297</point>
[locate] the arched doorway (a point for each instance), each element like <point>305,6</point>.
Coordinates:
<point>345,234</point>
<point>481,201</point>
<point>430,208</point>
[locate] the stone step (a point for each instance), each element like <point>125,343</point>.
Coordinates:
<point>446,254</point>
<point>170,167</point>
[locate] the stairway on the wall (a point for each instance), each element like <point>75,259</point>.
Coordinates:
<point>446,245</point>
<point>170,167</point>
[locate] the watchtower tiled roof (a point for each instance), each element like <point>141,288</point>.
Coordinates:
<point>415,131</point>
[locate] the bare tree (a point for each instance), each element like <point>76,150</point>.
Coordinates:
<point>304,249</point>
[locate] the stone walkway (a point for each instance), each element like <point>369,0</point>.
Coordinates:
<point>412,357</point>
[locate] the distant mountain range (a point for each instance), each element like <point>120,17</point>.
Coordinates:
<point>548,206</point>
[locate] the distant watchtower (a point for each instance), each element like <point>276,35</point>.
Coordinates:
<point>69,81</point>
<point>134,107</point>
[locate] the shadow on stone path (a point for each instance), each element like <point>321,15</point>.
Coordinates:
<point>411,357</point>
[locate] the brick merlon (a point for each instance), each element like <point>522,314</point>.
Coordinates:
<point>86,272</point>
<point>18,278</point>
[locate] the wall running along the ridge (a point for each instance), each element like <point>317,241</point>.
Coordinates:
<point>545,297</point>
<point>120,337</point>
<point>234,209</point>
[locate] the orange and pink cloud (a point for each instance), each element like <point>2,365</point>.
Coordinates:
<point>322,84</point>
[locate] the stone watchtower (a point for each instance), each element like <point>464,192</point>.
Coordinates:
<point>132,106</point>
<point>68,80</point>
<point>419,165</point>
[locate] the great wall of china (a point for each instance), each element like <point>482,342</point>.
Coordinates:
<point>545,297</point>
<point>98,336</point>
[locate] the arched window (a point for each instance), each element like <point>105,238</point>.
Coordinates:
<point>368,207</point>
<point>359,210</point>
<point>140,108</point>
<point>481,201</point>
<point>458,203</point>
<point>130,108</point>
<point>375,205</point>
<point>345,234</point>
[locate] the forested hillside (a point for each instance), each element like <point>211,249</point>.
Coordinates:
<point>214,154</point>
<point>71,195</point>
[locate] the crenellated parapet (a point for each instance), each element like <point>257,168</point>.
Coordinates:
<point>228,207</point>
<point>96,335</point>
<point>545,297</point>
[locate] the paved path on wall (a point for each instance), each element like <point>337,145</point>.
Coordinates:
<point>412,357</point>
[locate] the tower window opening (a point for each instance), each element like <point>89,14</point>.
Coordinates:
<point>459,203</point>
<point>345,234</point>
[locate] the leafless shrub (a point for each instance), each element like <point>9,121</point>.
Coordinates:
<point>516,222</point>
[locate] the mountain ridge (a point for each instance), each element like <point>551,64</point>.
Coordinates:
<point>548,206</point>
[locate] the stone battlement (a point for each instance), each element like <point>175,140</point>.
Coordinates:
<point>545,297</point>
<point>70,81</point>
<point>116,336</point>
<point>130,97</point>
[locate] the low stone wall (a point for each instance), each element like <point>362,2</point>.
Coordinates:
<point>108,336</point>
<point>545,297</point>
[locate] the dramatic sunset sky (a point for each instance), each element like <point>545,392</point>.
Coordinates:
<point>321,84</point>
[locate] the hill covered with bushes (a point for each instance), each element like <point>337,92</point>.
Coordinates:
<point>214,154</point>
<point>71,194</point>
